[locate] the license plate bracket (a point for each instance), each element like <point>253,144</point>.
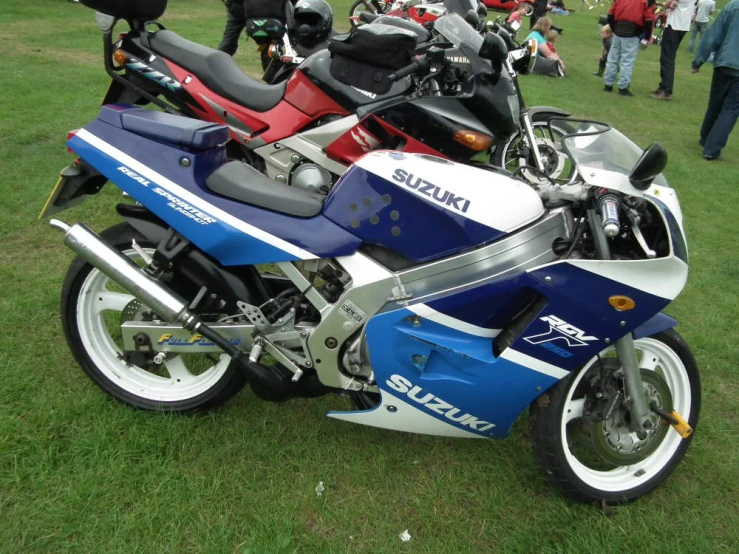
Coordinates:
<point>75,183</point>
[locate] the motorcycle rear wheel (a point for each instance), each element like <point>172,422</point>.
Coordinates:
<point>93,307</point>
<point>573,453</point>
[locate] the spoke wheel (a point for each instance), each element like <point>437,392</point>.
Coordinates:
<point>93,309</point>
<point>359,6</point>
<point>604,460</point>
<point>516,153</point>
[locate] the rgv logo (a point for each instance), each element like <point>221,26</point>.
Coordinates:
<point>435,404</point>
<point>560,330</point>
<point>431,190</point>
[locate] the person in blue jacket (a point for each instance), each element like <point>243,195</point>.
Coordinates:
<point>721,39</point>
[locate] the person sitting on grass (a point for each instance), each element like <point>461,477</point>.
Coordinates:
<point>553,61</point>
<point>552,37</point>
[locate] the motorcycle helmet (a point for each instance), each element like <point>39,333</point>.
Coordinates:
<point>312,21</point>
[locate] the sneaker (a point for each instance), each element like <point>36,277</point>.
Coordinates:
<point>608,88</point>
<point>625,92</point>
<point>598,73</point>
<point>712,158</point>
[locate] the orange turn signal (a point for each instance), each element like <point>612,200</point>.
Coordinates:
<point>120,57</point>
<point>622,303</point>
<point>473,140</point>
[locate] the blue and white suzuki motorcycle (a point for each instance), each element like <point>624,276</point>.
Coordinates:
<point>441,298</point>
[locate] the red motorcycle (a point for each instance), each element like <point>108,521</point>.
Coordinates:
<point>451,102</point>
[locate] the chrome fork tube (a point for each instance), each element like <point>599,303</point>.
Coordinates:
<point>625,349</point>
<point>531,138</point>
<point>640,412</point>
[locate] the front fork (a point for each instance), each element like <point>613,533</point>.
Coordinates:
<point>528,128</point>
<point>641,415</point>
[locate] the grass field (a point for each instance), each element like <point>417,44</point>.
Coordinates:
<point>80,473</point>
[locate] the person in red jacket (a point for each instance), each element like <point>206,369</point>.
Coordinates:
<point>629,20</point>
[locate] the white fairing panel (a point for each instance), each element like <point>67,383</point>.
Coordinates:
<point>495,200</point>
<point>394,413</point>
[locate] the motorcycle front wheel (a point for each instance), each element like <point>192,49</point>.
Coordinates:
<point>515,154</point>
<point>94,307</point>
<point>600,459</point>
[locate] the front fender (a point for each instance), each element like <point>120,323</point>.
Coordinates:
<point>538,111</point>
<point>657,324</point>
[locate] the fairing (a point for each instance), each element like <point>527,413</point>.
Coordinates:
<point>394,200</point>
<point>233,233</point>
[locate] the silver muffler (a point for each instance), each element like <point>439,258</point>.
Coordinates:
<point>91,248</point>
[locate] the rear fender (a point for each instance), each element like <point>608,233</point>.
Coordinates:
<point>198,269</point>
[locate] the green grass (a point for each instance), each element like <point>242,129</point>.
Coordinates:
<point>80,473</point>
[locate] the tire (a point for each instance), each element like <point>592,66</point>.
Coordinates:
<point>571,450</point>
<point>557,164</point>
<point>92,309</point>
<point>359,6</point>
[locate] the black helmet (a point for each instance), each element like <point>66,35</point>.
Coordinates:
<point>312,21</point>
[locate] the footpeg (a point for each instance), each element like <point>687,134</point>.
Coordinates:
<point>674,419</point>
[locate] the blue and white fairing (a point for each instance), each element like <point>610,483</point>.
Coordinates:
<point>424,208</point>
<point>435,363</point>
<point>135,148</point>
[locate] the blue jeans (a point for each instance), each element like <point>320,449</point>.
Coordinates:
<point>697,30</point>
<point>722,112</point>
<point>621,59</point>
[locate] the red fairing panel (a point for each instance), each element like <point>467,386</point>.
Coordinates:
<point>280,122</point>
<point>352,145</point>
<point>308,98</point>
<point>411,144</point>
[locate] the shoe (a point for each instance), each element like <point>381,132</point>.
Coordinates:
<point>598,73</point>
<point>559,30</point>
<point>608,88</point>
<point>661,95</point>
<point>711,158</point>
<point>657,91</point>
<point>625,92</point>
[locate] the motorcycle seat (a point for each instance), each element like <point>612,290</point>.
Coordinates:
<point>243,183</point>
<point>217,71</point>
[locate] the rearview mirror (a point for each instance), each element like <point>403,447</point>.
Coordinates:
<point>493,48</point>
<point>105,22</point>
<point>651,163</point>
<point>472,19</point>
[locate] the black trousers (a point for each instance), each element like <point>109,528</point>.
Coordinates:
<point>671,40</point>
<point>235,23</point>
<point>722,112</point>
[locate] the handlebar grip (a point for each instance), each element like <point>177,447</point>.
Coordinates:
<point>416,67</point>
<point>608,207</point>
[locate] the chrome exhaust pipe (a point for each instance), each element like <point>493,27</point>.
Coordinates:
<point>270,385</point>
<point>91,248</point>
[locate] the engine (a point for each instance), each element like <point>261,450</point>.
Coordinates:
<point>311,177</point>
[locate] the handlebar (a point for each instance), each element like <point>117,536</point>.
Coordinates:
<point>420,65</point>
